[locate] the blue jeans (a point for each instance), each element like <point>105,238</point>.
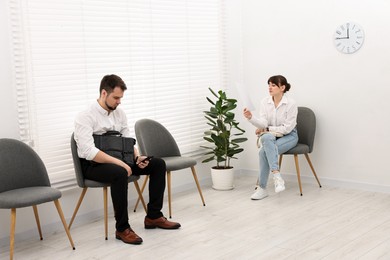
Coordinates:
<point>271,147</point>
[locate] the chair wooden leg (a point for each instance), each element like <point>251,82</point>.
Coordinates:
<point>142,190</point>
<point>59,209</point>
<point>298,172</point>
<point>105,201</point>
<point>140,197</point>
<point>77,206</point>
<point>12,234</point>
<point>169,193</point>
<point>197,184</point>
<point>312,169</point>
<point>35,208</point>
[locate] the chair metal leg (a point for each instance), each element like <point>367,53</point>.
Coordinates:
<point>77,206</point>
<point>35,208</point>
<point>298,172</point>
<point>312,168</point>
<point>59,209</point>
<point>169,193</point>
<point>140,197</point>
<point>197,184</point>
<point>105,201</point>
<point>142,190</point>
<point>12,234</point>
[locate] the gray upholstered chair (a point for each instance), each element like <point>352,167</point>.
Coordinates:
<point>155,140</point>
<point>24,182</point>
<point>86,183</point>
<point>306,126</point>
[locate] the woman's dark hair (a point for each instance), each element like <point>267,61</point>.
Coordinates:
<point>279,80</point>
<point>109,82</point>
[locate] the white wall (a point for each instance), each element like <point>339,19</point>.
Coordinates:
<point>348,93</point>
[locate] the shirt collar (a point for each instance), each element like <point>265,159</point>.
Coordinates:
<point>283,101</point>
<point>100,109</point>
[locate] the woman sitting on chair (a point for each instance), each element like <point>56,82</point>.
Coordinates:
<point>276,125</point>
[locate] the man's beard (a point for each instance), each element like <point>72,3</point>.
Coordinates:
<point>110,107</point>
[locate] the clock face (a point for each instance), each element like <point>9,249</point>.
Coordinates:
<point>348,38</point>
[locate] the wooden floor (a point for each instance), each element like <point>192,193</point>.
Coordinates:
<point>327,223</point>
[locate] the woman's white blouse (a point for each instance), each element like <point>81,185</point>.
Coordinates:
<point>282,119</point>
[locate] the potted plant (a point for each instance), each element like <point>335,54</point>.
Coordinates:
<point>223,135</point>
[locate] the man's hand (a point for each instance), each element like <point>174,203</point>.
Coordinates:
<point>143,161</point>
<point>102,157</point>
<point>128,169</point>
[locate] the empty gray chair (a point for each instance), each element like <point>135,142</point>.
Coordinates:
<point>24,182</point>
<point>306,126</point>
<point>86,183</point>
<point>155,140</point>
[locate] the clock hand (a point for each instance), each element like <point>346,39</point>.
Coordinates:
<point>340,38</point>
<point>347,33</point>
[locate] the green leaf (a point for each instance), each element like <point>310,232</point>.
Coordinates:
<point>223,126</point>
<point>213,93</point>
<point>211,120</point>
<point>239,140</point>
<point>209,100</point>
<point>208,159</point>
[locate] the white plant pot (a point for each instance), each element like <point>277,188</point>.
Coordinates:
<point>222,179</point>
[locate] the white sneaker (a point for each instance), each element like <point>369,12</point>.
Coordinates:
<point>259,194</point>
<point>279,184</point>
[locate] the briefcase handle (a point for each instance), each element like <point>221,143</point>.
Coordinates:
<point>113,133</point>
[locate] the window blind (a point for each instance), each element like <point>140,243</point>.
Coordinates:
<point>168,52</point>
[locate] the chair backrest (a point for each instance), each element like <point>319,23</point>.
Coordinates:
<point>20,166</point>
<point>154,139</point>
<point>77,163</point>
<point>306,126</point>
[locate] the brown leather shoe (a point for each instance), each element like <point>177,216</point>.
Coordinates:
<point>128,236</point>
<point>161,222</point>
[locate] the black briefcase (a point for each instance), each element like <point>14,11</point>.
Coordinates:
<point>112,143</point>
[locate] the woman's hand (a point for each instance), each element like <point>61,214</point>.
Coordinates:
<point>259,131</point>
<point>247,113</point>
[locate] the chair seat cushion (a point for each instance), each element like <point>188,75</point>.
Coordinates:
<point>95,184</point>
<point>178,162</point>
<point>299,149</point>
<point>26,197</point>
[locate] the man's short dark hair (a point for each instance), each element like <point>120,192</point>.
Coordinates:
<point>109,82</point>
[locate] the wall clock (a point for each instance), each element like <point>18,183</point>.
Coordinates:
<point>348,38</point>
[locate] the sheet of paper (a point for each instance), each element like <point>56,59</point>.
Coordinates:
<point>244,98</point>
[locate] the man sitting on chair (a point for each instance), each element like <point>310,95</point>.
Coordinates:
<point>102,116</point>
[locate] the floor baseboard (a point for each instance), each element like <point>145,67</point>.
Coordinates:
<point>327,181</point>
